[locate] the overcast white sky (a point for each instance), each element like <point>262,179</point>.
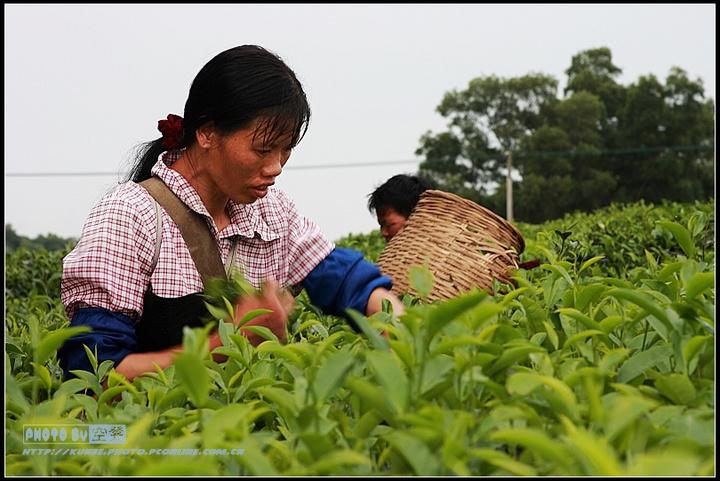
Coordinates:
<point>84,84</point>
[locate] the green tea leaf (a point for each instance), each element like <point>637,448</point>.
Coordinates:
<point>52,341</point>
<point>695,425</point>
<point>590,262</point>
<point>69,468</point>
<point>193,377</point>
<point>642,361</point>
<point>535,440</point>
<point>581,336</point>
<point>511,356</point>
<point>71,387</point>
<point>580,317</point>
<point>92,357</point>
<point>376,340</point>
<point>668,270</point>
<point>624,410</point>
<point>404,351</point>
<point>436,372</point>
<point>610,323</point>
<point>611,359</point>
<point>644,301</point>
<point>331,374</point>
<point>365,424</point>
<point>552,334</point>
<point>594,452</point>
<point>484,312</point>
<point>104,367</point>
<point>587,294</point>
<point>444,313</point>
<point>676,387</point>
<point>651,259</point>
<point>416,453</point>
<point>255,460</point>
<point>90,379</point>
<point>421,279</point>
<point>559,270</point>
<point>526,382</point>
<point>139,430</point>
<point>335,462</point>
<point>372,395</point>
<point>667,462</point>
<point>229,307</point>
<point>389,373</point>
<point>692,347</point>
<point>503,461</point>
<point>43,373</point>
<point>217,312</point>
<point>452,343</point>
<point>263,332</point>
<point>252,315</point>
<point>110,393</point>
<point>281,351</point>
<point>176,466</point>
<point>699,283</point>
<point>682,236</point>
<point>282,398</point>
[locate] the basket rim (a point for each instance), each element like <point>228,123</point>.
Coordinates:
<point>475,207</point>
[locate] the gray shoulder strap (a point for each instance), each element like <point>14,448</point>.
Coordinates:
<point>193,227</point>
<point>158,234</point>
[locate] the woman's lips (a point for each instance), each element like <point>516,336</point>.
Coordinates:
<point>261,190</point>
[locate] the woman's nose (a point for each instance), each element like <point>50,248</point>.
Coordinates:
<point>274,166</point>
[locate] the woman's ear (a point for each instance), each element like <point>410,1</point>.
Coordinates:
<point>206,135</point>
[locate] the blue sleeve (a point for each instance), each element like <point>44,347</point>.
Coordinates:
<point>344,279</point>
<point>112,332</point>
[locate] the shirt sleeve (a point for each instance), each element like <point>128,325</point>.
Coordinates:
<point>344,279</point>
<point>307,245</point>
<point>113,335</point>
<point>110,267</point>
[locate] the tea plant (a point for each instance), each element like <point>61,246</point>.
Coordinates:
<point>600,362</point>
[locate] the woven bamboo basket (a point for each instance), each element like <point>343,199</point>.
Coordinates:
<point>463,244</point>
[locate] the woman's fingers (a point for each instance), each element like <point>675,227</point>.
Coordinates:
<point>272,298</point>
<point>287,300</point>
<point>274,294</point>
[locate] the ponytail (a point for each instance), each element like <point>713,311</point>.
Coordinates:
<point>146,157</point>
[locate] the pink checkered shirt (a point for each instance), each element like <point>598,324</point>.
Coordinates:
<point>112,263</point>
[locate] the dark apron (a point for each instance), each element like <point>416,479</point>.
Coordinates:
<point>163,319</point>
<point>161,325</point>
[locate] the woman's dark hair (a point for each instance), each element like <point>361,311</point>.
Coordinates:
<point>401,192</point>
<point>236,87</point>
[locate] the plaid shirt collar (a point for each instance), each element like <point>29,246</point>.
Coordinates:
<point>244,218</point>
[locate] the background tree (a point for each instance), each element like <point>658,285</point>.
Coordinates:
<point>486,121</point>
<point>601,142</point>
<point>561,162</point>
<point>50,242</point>
<point>668,133</point>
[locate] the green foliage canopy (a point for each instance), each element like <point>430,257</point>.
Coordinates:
<point>602,142</point>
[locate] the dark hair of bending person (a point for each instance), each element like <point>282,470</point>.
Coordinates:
<point>394,201</point>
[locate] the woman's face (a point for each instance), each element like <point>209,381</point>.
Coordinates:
<point>246,166</point>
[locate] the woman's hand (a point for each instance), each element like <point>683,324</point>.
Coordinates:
<point>375,302</point>
<point>280,302</point>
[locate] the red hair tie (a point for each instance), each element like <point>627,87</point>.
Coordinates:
<point>172,131</point>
